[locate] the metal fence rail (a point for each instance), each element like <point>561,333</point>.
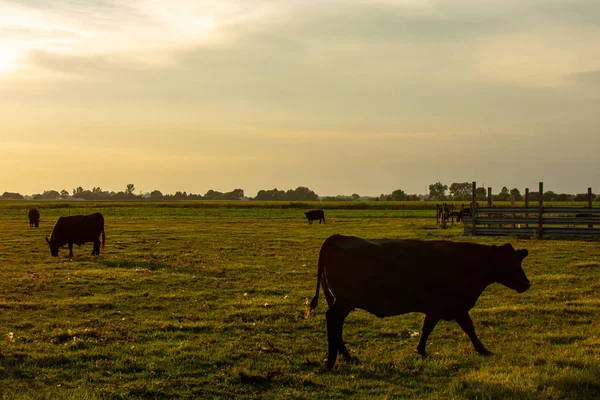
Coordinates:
<point>532,221</point>
<point>527,222</point>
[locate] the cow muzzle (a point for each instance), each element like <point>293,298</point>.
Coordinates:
<point>523,287</point>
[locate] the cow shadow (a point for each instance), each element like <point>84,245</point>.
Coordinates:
<point>583,383</point>
<point>484,390</point>
<point>137,265</point>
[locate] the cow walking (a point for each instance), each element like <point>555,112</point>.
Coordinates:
<point>34,218</point>
<point>77,229</point>
<point>441,279</point>
<point>314,215</point>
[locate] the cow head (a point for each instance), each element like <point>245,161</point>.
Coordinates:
<point>507,267</point>
<point>53,247</point>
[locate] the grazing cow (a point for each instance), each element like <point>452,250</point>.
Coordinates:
<point>441,279</point>
<point>34,218</point>
<point>77,229</point>
<point>314,215</point>
<point>453,214</point>
<point>465,212</point>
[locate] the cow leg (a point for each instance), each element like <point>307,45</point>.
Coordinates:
<point>96,250</point>
<point>335,320</point>
<point>70,249</point>
<point>466,323</point>
<point>429,323</point>
<point>341,345</point>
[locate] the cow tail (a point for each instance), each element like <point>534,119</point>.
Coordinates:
<point>320,275</point>
<point>103,239</point>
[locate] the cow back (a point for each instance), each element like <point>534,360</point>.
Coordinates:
<point>78,229</point>
<point>390,277</point>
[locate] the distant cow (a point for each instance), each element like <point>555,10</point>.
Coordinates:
<point>314,215</point>
<point>77,229</point>
<point>441,279</point>
<point>465,212</point>
<point>34,217</point>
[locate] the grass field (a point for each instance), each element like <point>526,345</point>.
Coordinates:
<point>192,300</point>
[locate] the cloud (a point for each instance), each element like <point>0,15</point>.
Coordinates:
<point>142,31</point>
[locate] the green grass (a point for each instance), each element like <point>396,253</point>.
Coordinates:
<point>194,300</point>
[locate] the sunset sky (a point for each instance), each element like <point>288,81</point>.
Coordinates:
<point>341,96</point>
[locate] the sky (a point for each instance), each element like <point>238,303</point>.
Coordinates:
<point>341,96</point>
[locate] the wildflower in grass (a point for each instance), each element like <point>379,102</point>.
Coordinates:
<point>10,337</point>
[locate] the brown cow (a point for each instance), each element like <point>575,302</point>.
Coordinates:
<point>386,277</point>
<point>77,229</point>
<point>34,218</point>
<point>314,215</point>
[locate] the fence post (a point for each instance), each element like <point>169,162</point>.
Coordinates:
<point>474,208</point>
<point>590,203</point>
<point>489,197</point>
<point>541,211</point>
<point>526,204</point>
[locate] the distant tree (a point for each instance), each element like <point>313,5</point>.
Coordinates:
<point>12,196</point>
<point>235,194</point>
<point>96,190</point>
<point>504,194</point>
<point>180,195</point>
<point>583,197</point>
<point>564,197</point>
<point>47,195</point>
<point>355,196</point>
<point>516,194</point>
<point>549,195</point>
<point>480,194</point>
<point>212,195</point>
<point>76,191</point>
<point>156,195</point>
<point>64,194</point>
<point>301,193</point>
<point>398,195</point>
<point>130,188</point>
<point>534,196</point>
<point>437,191</point>
<point>51,194</point>
<point>267,195</point>
<point>461,191</point>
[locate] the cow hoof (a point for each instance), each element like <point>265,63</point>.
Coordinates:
<point>485,352</point>
<point>421,353</point>
<point>328,364</point>
<point>351,360</point>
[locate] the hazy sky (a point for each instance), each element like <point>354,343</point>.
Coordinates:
<point>341,96</point>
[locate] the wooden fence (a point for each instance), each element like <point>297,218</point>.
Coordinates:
<point>532,221</point>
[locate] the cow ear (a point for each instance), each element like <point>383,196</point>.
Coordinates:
<point>523,253</point>
<point>508,246</point>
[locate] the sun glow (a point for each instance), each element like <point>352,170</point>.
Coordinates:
<point>146,32</point>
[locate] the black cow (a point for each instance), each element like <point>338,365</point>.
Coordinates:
<point>465,212</point>
<point>314,215</point>
<point>441,279</point>
<point>77,229</point>
<point>34,218</point>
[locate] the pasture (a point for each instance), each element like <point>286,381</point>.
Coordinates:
<point>207,300</point>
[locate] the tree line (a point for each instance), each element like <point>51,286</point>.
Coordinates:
<point>96,193</point>
<point>457,191</point>
<point>464,192</point>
